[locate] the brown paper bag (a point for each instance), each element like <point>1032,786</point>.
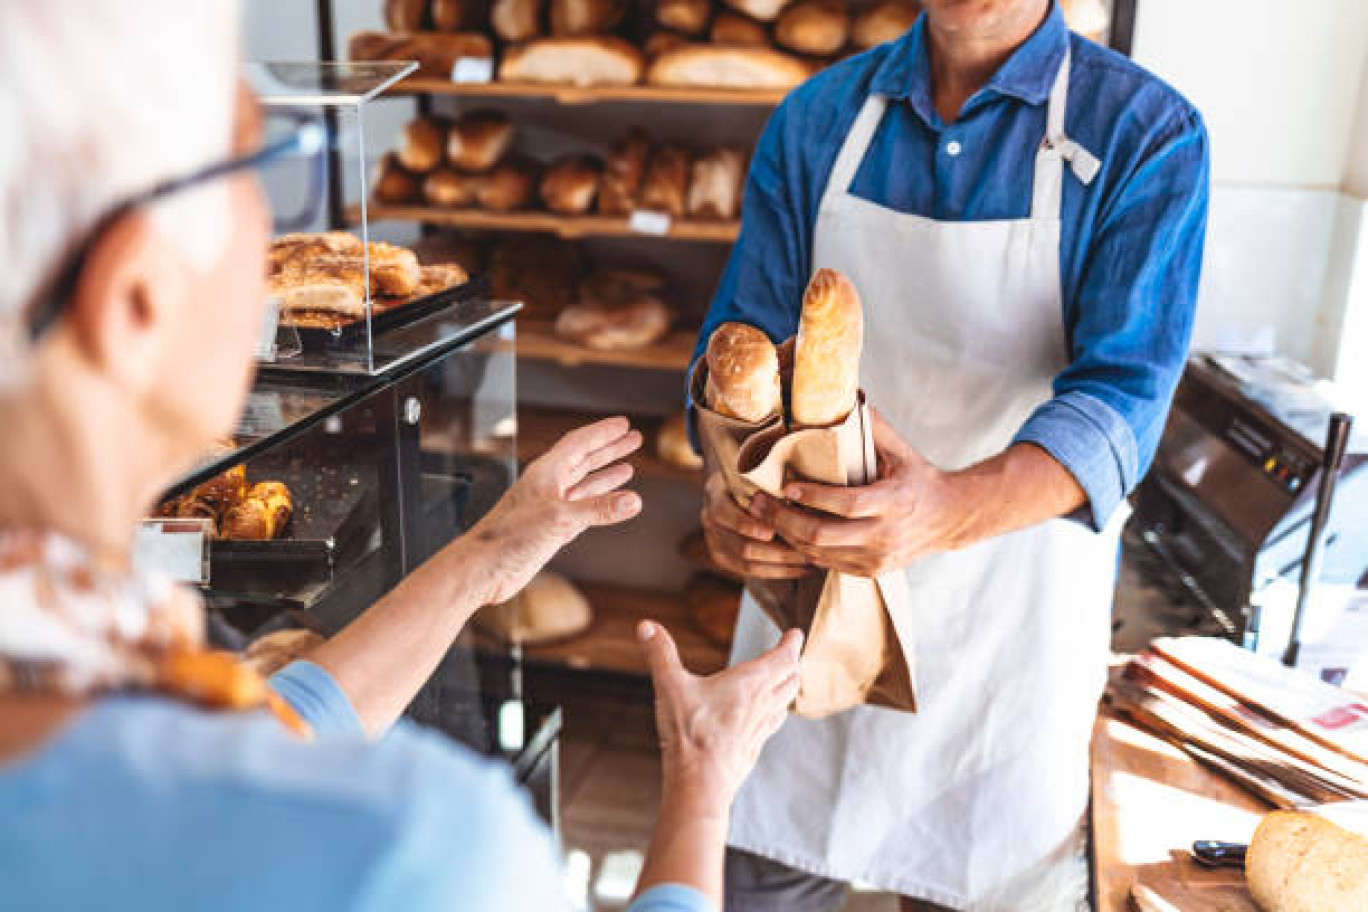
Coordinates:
<point>858,646</point>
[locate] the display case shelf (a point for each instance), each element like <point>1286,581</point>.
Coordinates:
<point>539,428</point>
<point>539,342</point>
<point>610,645</point>
<point>579,95</point>
<point>570,227</point>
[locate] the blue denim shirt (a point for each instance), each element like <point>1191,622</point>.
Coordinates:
<point>1131,248</point>
<point>147,804</point>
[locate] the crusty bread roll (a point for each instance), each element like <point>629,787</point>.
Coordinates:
<point>549,608</point>
<point>621,180</point>
<point>450,189</point>
<point>479,140</point>
<point>826,358</point>
<point>687,16</point>
<point>1300,861</point>
<point>515,20</point>
<point>641,322</point>
<point>743,373</point>
<point>392,184</point>
<point>394,270</point>
<point>673,446</point>
<point>420,145</point>
<point>405,15</point>
<point>508,188</point>
<point>666,182</point>
<point>585,17</point>
<point>815,27</point>
<point>600,60</point>
<point>435,52</point>
<point>570,185</point>
<point>882,22</point>
<point>715,184</point>
<point>764,10</point>
<point>706,66</point>
<point>735,30</point>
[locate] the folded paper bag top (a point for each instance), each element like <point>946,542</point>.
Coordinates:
<point>858,647</point>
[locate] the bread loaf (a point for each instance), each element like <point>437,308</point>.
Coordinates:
<point>585,17</point>
<point>815,27</point>
<point>441,276</point>
<point>394,270</point>
<point>673,446</point>
<point>764,10</point>
<point>420,145</point>
<point>515,20</point>
<point>449,189</point>
<point>882,22</point>
<point>641,322</point>
<point>335,284</point>
<point>662,42</point>
<point>602,60</point>
<point>393,184</point>
<point>826,358</point>
<point>549,608</point>
<point>435,52</point>
<point>727,68</point>
<point>666,181</point>
<point>570,186</point>
<point>1300,861</point>
<point>508,188</point>
<point>621,180</point>
<point>743,373</point>
<point>734,30</point>
<point>687,16</point>
<point>479,140</point>
<point>715,184</point>
<point>405,15</point>
<point>454,15</point>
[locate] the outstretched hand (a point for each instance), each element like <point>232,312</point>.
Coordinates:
<point>571,488</point>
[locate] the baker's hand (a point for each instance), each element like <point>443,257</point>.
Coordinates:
<point>911,510</point>
<point>712,728</point>
<point>743,544</point>
<point>572,487</point>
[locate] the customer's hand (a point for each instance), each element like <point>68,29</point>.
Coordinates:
<point>572,487</point>
<point>743,544</point>
<point>712,728</point>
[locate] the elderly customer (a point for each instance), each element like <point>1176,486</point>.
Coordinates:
<point>119,788</point>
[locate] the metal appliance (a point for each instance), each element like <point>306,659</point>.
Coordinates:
<point>1228,507</point>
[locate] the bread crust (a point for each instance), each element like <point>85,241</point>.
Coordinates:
<point>826,358</point>
<point>421,144</point>
<point>815,27</point>
<point>587,61</point>
<point>743,373</point>
<point>1302,862</point>
<point>728,68</point>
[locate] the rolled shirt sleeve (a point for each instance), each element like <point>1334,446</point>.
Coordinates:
<point>314,694</point>
<point>1132,321</point>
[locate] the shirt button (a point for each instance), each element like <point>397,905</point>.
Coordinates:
<point>952,148</point>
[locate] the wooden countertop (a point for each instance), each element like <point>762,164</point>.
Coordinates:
<point>1150,801</point>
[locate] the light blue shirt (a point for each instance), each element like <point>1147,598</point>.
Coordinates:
<point>146,804</point>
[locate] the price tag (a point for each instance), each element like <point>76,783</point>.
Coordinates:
<point>270,322</point>
<point>177,548</point>
<point>473,70</point>
<point>643,221</point>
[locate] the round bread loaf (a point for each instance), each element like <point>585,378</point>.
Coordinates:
<point>1301,861</point>
<point>420,145</point>
<point>815,27</point>
<point>826,357</point>
<point>393,184</point>
<point>450,189</point>
<point>507,188</point>
<point>641,322</point>
<point>743,373</point>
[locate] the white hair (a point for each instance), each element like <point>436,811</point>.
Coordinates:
<point>99,100</point>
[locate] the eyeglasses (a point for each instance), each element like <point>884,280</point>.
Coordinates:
<point>304,139</point>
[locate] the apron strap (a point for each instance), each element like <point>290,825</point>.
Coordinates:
<point>853,149</point>
<point>1056,148</point>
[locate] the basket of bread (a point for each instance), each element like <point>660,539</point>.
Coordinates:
<point>770,414</point>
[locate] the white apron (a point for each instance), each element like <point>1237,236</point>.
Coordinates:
<point>975,801</point>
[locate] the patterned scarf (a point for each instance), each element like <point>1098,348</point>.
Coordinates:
<point>67,627</point>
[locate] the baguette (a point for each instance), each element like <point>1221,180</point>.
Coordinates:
<point>826,358</point>
<point>743,374</point>
<point>600,60</point>
<point>707,66</point>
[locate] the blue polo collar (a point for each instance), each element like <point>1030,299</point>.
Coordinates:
<point>1028,74</point>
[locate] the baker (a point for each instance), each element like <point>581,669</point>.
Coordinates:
<point>1023,214</point>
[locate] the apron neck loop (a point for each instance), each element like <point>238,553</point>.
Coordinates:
<point>1056,148</point>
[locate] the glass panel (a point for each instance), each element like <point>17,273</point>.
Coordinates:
<point>299,82</point>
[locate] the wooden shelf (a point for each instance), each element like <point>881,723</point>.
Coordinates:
<point>578,95</point>
<point>539,428</point>
<point>570,227</point>
<point>610,644</point>
<point>537,340</point>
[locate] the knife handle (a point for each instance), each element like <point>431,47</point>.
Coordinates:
<point>1212,854</point>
